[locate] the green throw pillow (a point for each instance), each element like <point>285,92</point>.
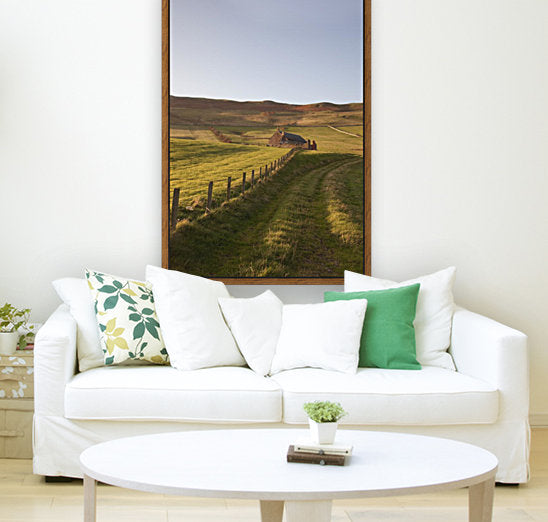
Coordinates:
<point>388,335</point>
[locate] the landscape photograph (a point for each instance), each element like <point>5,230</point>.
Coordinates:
<point>266,125</point>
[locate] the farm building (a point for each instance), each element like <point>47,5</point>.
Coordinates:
<point>285,139</point>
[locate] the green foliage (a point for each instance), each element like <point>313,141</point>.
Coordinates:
<point>12,318</point>
<point>324,411</point>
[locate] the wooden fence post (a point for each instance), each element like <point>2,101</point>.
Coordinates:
<point>174,208</point>
<point>252,177</point>
<point>243,184</point>
<point>260,173</point>
<point>266,170</point>
<point>228,188</point>
<point>209,196</point>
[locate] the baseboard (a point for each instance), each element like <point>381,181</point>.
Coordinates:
<point>538,420</point>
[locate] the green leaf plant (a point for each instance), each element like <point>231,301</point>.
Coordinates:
<point>324,411</point>
<point>12,318</point>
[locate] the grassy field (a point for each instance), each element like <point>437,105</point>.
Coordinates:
<point>193,164</point>
<point>305,221</point>
<point>327,139</point>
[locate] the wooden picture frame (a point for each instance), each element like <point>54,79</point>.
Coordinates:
<point>166,194</point>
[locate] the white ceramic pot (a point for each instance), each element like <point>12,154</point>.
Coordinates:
<point>322,432</point>
<point>8,342</point>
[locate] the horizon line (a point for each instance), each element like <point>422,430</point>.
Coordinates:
<point>265,100</point>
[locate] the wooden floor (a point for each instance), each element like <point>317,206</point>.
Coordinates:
<point>25,497</point>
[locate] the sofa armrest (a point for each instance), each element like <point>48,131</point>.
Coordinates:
<point>495,353</point>
<point>54,362</point>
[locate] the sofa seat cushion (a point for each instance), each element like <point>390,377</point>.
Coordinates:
<point>222,394</point>
<point>374,396</point>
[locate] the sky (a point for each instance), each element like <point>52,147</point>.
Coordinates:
<point>301,51</point>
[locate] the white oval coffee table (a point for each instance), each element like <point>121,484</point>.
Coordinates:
<point>251,464</point>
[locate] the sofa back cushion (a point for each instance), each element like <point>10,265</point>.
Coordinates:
<point>435,306</point>
<point>75,293</point>
<point>192,324</point>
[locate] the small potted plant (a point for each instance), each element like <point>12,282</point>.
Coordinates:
<point>323,419</point>
<point>11,319</point>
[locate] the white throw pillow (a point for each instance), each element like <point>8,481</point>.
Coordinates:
<point>324,335</point>
<point>75,294</point>
<point>194,331</point>
<point>434,315</point>
<point>255,324</point>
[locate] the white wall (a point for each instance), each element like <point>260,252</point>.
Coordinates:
<point>460,155</point>
<point>460,163</point>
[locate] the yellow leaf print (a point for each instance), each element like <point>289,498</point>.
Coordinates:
<point>121,343</point>
<point>157,359</point>
<point>110,346</point>
<point>118,332</point>
<point>90,285</point>
<point>110,325</point>
<point>129,291</point>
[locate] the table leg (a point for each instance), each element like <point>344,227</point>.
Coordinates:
<point>90,499</point>
<point>272,510</point>
<point>301,510</point>
<point>480,501</point>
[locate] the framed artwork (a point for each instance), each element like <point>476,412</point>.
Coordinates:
<point>266,139</point>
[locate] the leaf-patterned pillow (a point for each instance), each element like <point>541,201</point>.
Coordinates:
<point>128,325</point>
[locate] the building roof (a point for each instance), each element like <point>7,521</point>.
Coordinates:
<point>294,137</point>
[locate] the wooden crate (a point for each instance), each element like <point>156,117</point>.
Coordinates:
<point>16,404</point>
<point>17,375</point>
<point>16,429</point>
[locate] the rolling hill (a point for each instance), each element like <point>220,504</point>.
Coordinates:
<point>186,111</point>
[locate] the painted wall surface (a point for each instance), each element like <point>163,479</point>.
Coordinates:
<point>460,163</point>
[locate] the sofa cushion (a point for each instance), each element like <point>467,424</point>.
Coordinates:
<point>374,396</point>
<point>223,394</point>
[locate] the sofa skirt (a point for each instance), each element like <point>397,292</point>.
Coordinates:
<point>58,442</point>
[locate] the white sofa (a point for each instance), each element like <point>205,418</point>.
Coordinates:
<point>485,402</point>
